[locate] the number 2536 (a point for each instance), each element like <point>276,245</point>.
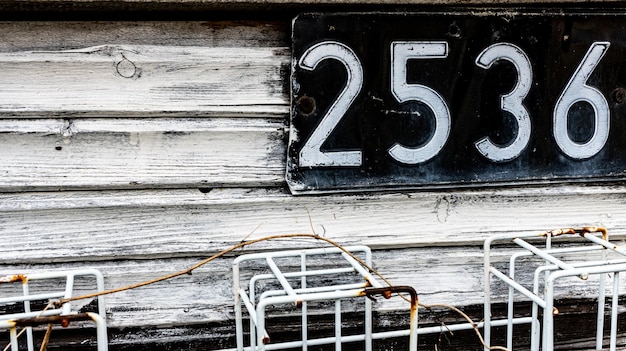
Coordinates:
<point>576,90</point>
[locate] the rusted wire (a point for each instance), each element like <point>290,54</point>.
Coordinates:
<point>13,278</point>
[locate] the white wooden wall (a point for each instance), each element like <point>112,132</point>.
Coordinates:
<point>140,148</point>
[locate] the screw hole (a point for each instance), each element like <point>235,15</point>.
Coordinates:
<point>306,105</point>
<point>618,95</point>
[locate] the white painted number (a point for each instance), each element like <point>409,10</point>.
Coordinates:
<point>402,51</point>
<point>311,154</point>
<point>512,102</point>
<point>575,91</point>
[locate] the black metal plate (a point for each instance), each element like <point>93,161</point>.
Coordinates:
<point>555,45</point>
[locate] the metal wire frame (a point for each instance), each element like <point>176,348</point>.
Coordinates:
<point>259,339</point>
<point>53,315</point>
<point>553,270</point>
<point>366,285</point>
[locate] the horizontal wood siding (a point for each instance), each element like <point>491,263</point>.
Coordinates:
<point>178,223</point>
<point>143,80</point>
<point>140,153</point>
<point>141,148</point>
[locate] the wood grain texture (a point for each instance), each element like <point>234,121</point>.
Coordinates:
<point>86,226</point>
<point>140,153</point>
<point>144,80</point>
<point>71,35</point>
<point>106,69</point>
<point>115,104</point>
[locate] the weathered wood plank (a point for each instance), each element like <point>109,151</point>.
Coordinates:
<point>140,153</point>
<point>186,69</point>
<point>144,80</point>
<point>25,36</point>
<point>96,225</point>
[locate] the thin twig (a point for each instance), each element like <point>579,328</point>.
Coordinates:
<point>6,348</point>
<point>469,320</point>
<point>252,232</point>
<point>46,338</point>
<point>308,213</point>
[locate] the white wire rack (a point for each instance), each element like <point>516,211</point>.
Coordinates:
<point>34,309</point>
<point>278,284</point>
<point>583,254</point>
<point>561,254</point>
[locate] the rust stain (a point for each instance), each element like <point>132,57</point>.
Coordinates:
<point>14,278</point>
<point>388,291</point>
<point>580,231</point>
